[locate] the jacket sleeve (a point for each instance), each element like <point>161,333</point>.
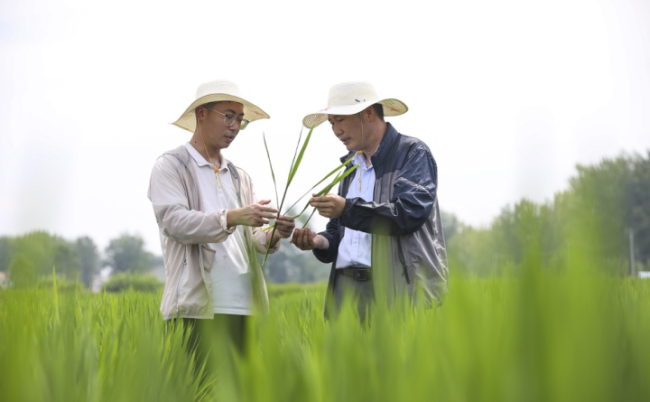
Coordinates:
<point>414,194</point>
<point>168,194</point>
<point>331,233</point>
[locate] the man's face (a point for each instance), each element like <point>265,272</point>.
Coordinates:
<point>215,125</point>
<point>347,129</point>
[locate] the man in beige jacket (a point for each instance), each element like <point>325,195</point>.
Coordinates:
<point>210,219</point>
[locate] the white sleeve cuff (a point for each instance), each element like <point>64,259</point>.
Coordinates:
<point>223,215</point>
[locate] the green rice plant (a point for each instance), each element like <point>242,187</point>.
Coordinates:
<point>536,336</point>
<point>295,163</point>
<point>86,347</point>
<point>544,337</point>
<point>293,169</point>
<point>325,189</point>
<point>132,281</point>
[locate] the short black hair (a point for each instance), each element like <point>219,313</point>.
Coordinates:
<point>210,105</point>
<point>379,110</point>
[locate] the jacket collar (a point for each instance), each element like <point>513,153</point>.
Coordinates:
<point>385,146</point>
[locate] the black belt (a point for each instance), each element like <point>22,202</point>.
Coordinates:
<point>356,273</point>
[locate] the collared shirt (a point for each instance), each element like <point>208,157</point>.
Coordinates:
<point>355,247</point>
<point>231,281</point>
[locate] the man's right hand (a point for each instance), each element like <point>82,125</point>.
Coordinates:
<point>251,215</point>
<point>305,239</point>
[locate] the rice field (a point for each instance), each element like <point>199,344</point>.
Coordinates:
<point>536,336</point>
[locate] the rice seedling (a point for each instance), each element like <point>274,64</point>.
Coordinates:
<point>293,169</point>
<point>536,336</point>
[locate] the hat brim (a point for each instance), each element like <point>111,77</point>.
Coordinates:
<point>187,120</point>
<point>392,107</point>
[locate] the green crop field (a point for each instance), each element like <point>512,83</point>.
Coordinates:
<point>537,336</point>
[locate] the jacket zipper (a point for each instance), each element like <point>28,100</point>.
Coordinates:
<point>401,259</point>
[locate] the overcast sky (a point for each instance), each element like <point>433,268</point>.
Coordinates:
<point>509,95</point>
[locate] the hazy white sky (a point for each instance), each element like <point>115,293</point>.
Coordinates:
<point>509,95</point>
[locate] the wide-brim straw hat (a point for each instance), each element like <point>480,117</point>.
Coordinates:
<point>216,91</point>
<point>350,98</point>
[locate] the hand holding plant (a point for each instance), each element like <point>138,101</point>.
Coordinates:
<point>285,225</point>
<point>305,239</point>
<point>328,205</point>
<point>297,158</point>
<point>255,215</point>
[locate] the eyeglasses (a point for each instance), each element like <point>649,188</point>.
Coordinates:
<point>229,120</point>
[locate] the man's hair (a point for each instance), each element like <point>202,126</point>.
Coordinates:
<point>207,106</point>
<point>210,105</point>
<point>379,110</point>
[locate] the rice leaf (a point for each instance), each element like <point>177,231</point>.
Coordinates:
<point>56,293</point>
<point>296,164</point>
<point>292,172</point>
<point>324,191</point>
<point>307,205</point>
<point>336,181</point>
<point>308,219</point>
<point>268,155</point>
<point>322,180</point>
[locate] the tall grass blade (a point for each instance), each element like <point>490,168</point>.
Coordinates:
<point>308,219</point>
<point>336,181</point>
<point>325,190</point>
<point>295,163</point>
<point>322,180</point>
<point>268,155</point>
<point>56,294</point>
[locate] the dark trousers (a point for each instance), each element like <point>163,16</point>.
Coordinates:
<point>358,292</point>
<point>214,341</point>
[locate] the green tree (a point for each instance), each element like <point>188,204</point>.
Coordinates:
<point>450,225</point>
<point>126,253</point>
<point>89,261</point>
<point>45,250</point>
<point>584,225</point>
<point>22,272</point>
<point>66,259</point>
<point>5,253</point>
<point>639,206</point>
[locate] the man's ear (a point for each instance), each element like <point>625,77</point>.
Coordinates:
<point>200,113</point>
<point>369,112</point>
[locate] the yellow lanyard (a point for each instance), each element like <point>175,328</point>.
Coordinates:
<point>216,169</point>
<point>361,154</point>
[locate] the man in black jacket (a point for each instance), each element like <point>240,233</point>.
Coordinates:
<point>384,235</point>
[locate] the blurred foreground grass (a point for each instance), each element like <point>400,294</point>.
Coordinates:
<point>535,337</point>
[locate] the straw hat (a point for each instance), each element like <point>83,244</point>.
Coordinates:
<point>215,91</point>
<point>350,98</point>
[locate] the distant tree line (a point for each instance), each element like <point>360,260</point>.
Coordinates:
<point>33,255</point>
<point>589,224</point>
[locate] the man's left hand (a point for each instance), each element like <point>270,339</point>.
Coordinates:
<point>329,206</point>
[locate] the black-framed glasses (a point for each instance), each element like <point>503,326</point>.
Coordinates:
<point>230,119</point>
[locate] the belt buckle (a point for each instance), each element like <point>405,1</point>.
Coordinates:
<point>361,274</point>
